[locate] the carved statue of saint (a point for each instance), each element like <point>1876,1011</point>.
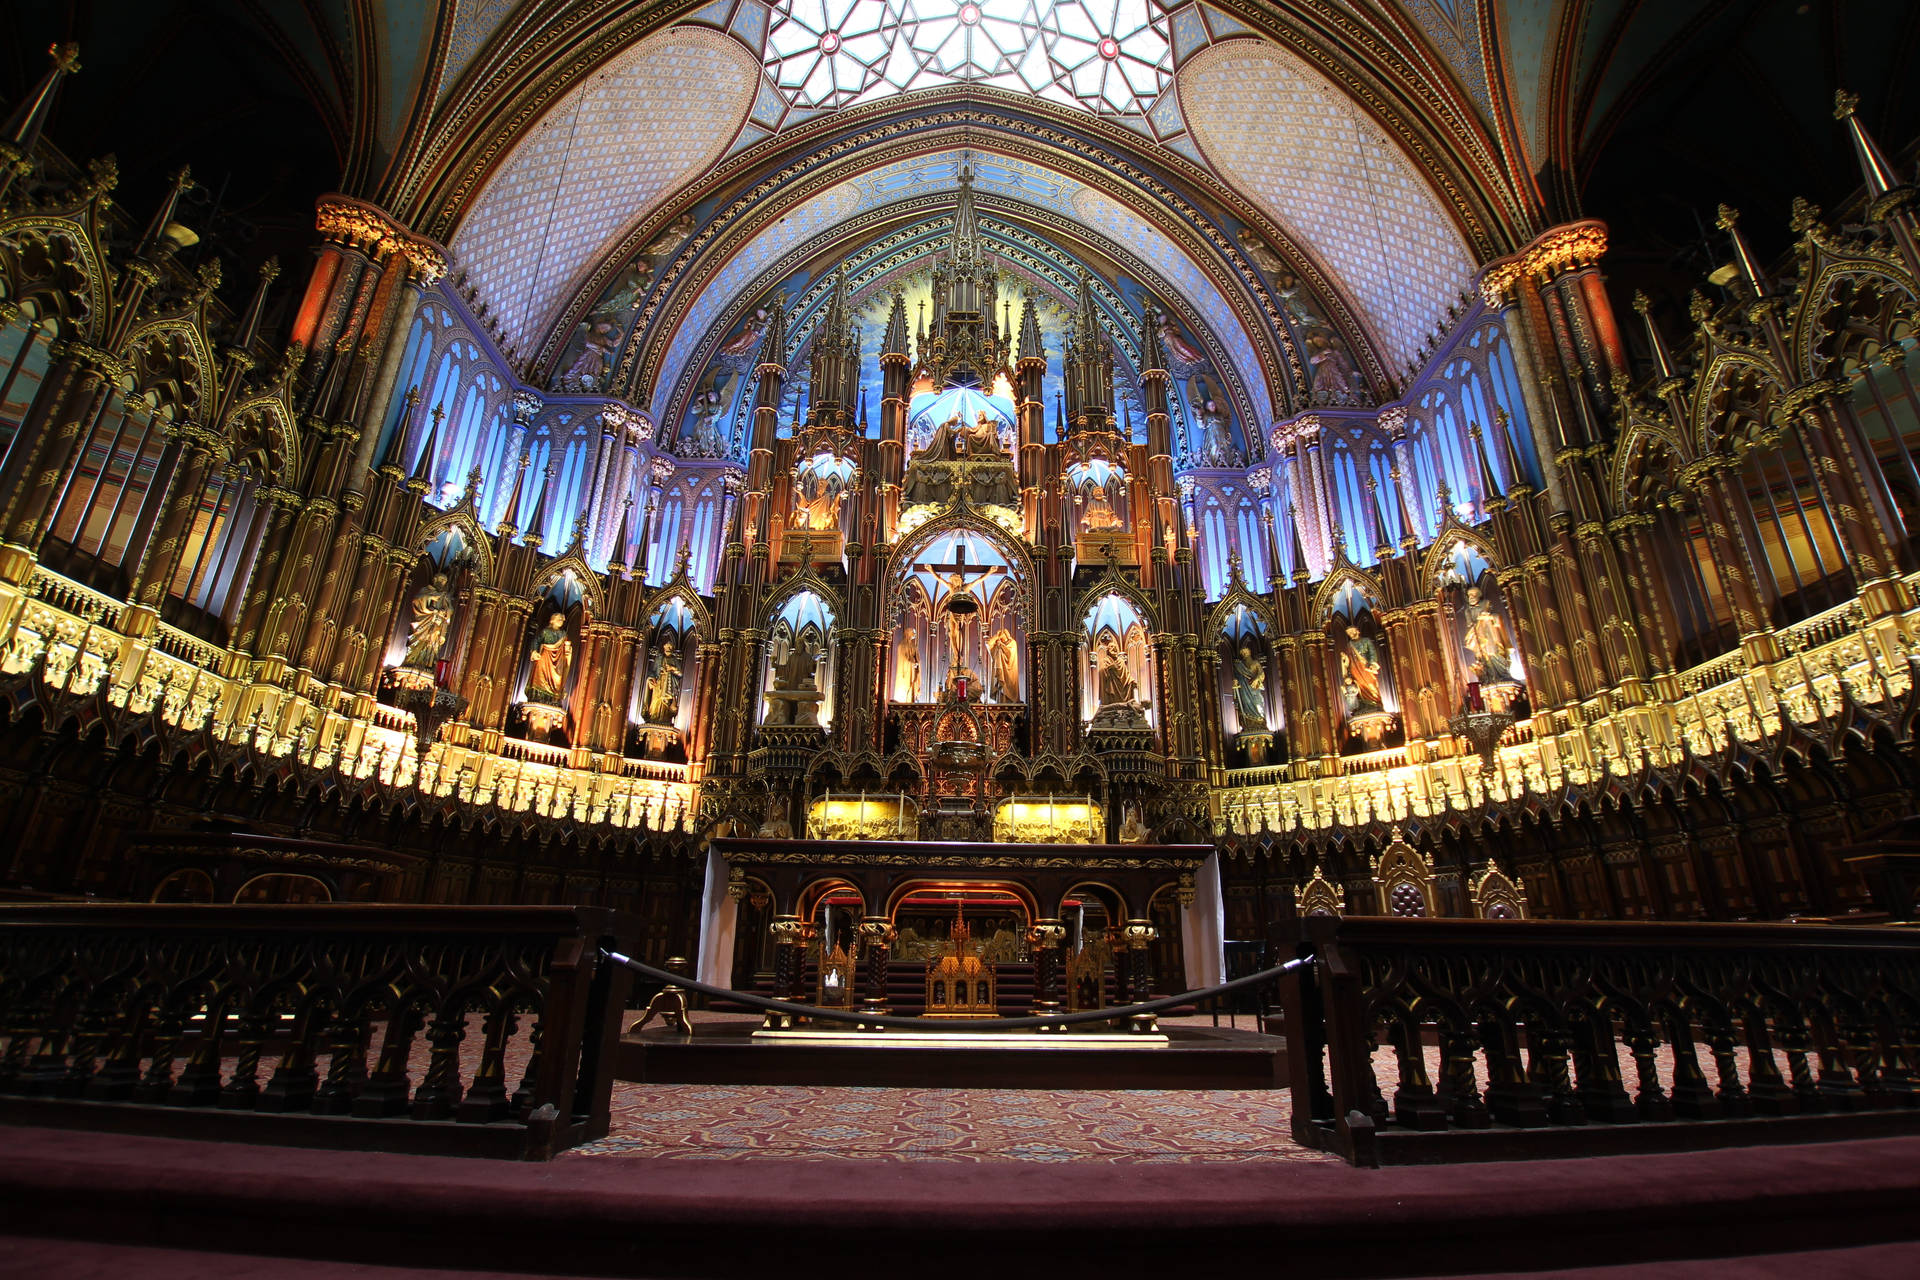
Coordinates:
<point>1250,691</point>
<point>1132,829</point>
<point>983,438</point>
<point>1217,450</point>
<point>909,666</point>
<point>1360,681</point>
<point>1117,685</point>
<point>1004,679</point>
<point>663,686</point>
<point>432,619</point>
<point>795,660</point>
<point>552,656</point>
<point>816,500</point>
<point>1100,514</point>
<point>949,441</point>
<point>1487,640</point>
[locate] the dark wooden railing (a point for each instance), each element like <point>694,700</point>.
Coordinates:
<point>214,1021</point>
<point>1427,1040</point>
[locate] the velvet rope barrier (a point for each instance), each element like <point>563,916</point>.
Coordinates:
<point>972,1024</point>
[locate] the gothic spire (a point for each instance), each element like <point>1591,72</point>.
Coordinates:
<point>1153,353</point>
<point>1488,484</point>
<point>966,247</point>
<point>1031,347</point>
<point>1874,165</point>
<point>21,132</point>
<point>1302,571</point>
<point>896,339</point>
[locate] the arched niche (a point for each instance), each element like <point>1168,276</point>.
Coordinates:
<point>1117,678</point>
<point>797,671</point>
<point>1362,668</point>
<point>663,692</point>
<point>550,671</point>
<point>958,600</point>
<point>1249,684</point>
<point>1483,654</point>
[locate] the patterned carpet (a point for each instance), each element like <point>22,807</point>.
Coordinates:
<point>715,1122</point>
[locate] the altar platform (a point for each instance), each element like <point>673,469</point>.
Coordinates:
<point>1188,1054</point>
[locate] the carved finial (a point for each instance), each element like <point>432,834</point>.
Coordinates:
<point>1844,104</point>
<point>1727,218</point>
<point>1641,302</point>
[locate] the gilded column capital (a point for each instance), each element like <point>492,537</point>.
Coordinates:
<point>374,230</point>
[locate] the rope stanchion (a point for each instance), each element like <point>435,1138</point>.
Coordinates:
<point>1031,1023</point>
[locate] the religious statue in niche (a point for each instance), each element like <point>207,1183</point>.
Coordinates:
<point>1003,684</point>
<point>908,659</point>
<point>1132,829</point>
<point>432,619</point>
<point>663,686</point>
<point>1484,633</point>
<point>1250,691</point>
<point>816,499</point>
<point>954,440</point>
<point>795,665</point>
<point>1116,686</point>
<point>1360,662</point>
<point>1097,496</point>
<point>552,657</point>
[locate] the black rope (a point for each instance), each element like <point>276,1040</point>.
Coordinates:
<point>972,1024</point>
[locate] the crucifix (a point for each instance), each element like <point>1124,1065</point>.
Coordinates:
<point>961,603</point>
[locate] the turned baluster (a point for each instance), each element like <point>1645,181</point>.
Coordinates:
<point>1599,1088</point>
<point>1692,1097</point>
<point>1768,1093</point>
<point>1547,1048</point>
<point>119,1073</point>
<point>486,1100</point>
<point>1732,1094</point>
<point>439,1092</point>
<point>1459,1092</point>
<point>1414,1103</point>
<point>523,1096</point>
<point>1838,1088</point>
<point>169,1028</point>
<point>242,1090</point>
<point>1650,1101</point>
<point>347,1038</point>
<point>293,1082</point>
<point>199,1082</point>
<point>389,1087</point>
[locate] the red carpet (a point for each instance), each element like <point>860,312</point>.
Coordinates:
<point>636,1216</point>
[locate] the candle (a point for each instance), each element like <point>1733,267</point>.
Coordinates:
<point>900,816</point>
<point>863,813</point>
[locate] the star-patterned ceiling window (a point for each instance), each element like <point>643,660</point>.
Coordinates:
<point>1110,57</point>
